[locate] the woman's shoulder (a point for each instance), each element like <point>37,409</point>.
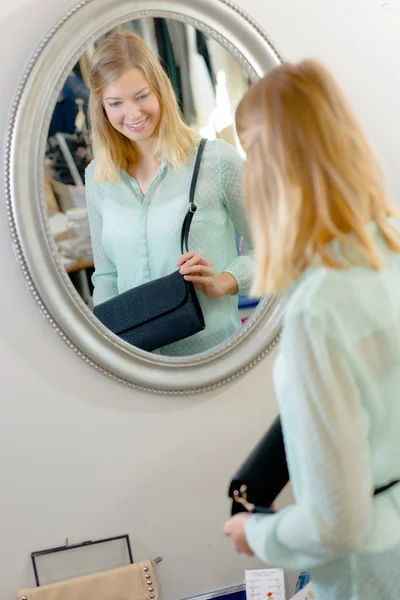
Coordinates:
<point>93,184</point>
<point>321,292</point>
<point>224,148</point>
<point>94,190</point>
<point>224,153</point>
<point>90,173</point>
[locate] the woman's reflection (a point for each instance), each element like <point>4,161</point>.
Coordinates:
<point>137,191</point>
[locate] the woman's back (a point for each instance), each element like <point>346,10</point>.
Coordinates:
<point>359,309</point>
<point>338,381</point>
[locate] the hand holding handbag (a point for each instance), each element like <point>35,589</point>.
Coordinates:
<point>161,311</point>
<point>132,582</point>
<point>264,474</point>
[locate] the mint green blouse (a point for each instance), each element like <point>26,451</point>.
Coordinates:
<point>337,382</point>
<point>136,237</point>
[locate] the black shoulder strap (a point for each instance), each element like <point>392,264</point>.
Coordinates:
<point>192,206</point>
<point>384,488</point>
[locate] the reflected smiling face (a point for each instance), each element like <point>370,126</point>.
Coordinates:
<point>132,107</point>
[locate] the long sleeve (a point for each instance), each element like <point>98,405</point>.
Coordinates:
<point>230,182</point>
<point>326,438</point>
<point>105,274</point>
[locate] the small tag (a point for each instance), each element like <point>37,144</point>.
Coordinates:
<point>265,584</point>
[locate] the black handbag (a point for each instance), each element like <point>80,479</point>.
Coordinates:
<point>161,311</point>
<point>264,474</point>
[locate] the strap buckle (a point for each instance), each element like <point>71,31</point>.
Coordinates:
<point>241,497</point>
<point>192,207</point>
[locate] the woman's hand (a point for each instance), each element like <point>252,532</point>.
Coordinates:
<point>200,272</point>
<point>235,529</point>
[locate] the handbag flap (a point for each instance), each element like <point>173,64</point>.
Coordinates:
<point>132,582</point>
<point>265,471</point>
<point>143,303</point>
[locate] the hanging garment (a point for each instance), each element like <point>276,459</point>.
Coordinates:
<point>177,34</point>
<point>138,27</point>
<point>237,82</point>
<point>166,53</point>
<point>203,90</point>
<point>149,34</point>
<point>202,49</point>
<point>66,110</point>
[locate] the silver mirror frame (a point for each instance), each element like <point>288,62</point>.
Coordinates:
<point>35,249</point>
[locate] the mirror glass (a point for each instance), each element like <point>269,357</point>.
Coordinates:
<point>129,232</point>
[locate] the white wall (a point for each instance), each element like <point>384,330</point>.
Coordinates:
<point>82,457</point>
<point>6,8</point>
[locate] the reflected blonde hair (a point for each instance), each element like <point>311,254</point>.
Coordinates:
<point>116,55</point>
<point>310,177</point>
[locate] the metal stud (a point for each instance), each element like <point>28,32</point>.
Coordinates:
<point>152,596</point>
<point>148,576</point>
<point>145,568</point>
<point>149,582</point>
<point>151,589</point>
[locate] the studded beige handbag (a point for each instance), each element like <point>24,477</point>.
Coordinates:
<point>133,582</point>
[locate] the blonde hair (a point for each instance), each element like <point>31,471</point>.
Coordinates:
<point>116,55</point>
<point>310,177</point>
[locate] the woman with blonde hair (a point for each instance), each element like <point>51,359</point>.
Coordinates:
<point>327,236</point>
<point>137,191</point>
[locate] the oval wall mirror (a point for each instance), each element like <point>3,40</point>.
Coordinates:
<point>211,51</point>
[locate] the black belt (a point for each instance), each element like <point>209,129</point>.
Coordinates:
<point>386,487</point>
